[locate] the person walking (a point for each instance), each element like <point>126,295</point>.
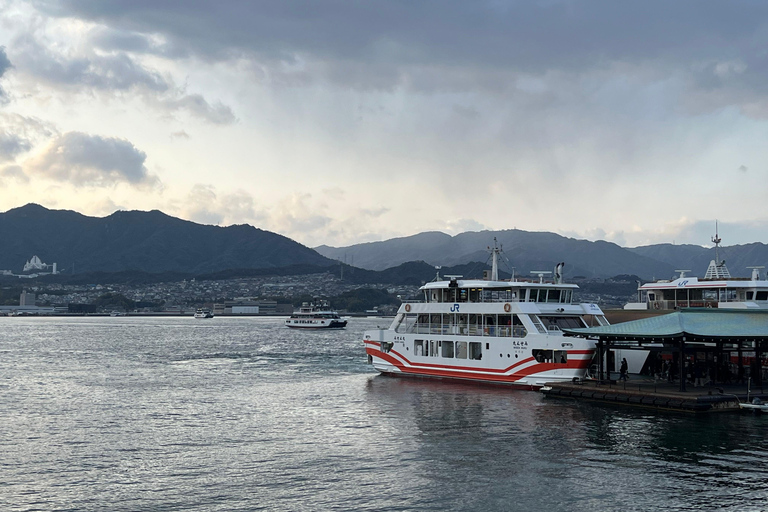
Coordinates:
<point>623,370</point>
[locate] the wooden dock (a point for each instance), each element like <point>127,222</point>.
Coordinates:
<point>660,395</point>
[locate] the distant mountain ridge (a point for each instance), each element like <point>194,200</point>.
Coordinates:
<point>528,251</point>
<point>141,241</point>
<point>155,243</point>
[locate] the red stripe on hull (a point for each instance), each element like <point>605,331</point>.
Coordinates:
<point>477,374</point>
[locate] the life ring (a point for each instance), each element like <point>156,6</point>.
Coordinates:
<point>656,305</point>
<point>507,307</point>
<point>407,308</point>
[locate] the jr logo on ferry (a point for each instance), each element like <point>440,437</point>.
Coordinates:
<point>455,308</point>
<point>682,283</point>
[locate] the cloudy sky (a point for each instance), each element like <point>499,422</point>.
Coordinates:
<point>338,122</point>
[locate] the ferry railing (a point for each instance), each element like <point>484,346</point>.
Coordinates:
<point>517,331</point>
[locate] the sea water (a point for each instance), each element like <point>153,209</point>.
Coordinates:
<point>184,414</point>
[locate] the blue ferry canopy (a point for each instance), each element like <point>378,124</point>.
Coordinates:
<point>692,324</point>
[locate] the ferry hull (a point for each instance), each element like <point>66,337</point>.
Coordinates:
<point>517,367</point>
<point>333,324</point>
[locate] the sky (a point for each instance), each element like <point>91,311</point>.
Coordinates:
<point>341,122</point>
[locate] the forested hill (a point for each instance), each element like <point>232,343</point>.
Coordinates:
<point>141,241</point>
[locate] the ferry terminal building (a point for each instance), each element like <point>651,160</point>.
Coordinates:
<point>715,341</point>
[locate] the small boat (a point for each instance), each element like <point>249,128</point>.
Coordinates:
<point>117,313</point>
<point>203,313</point>
<point>315,316</point>
<point>756,405</point>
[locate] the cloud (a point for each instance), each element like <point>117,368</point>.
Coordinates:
<point>13,172</point>
<point>743,168</point>
<point>12,145</point>
<point>81,69</point>
<point>196,105</point>
<point>5,65</point>
<point>19,134</point>
<point>205,205</point>
<point>83,159</point>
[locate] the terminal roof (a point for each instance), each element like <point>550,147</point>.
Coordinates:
<point>691,325</point>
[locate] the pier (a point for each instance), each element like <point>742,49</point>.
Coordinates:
<point>690,356</point>
<point>660,395</point>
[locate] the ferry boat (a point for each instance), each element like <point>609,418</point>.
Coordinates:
<point>489,330</point>
<point>312,316</point>
<point>203,313</point>
<point>716,290</point>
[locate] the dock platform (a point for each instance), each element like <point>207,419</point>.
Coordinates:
<point>661,395</point>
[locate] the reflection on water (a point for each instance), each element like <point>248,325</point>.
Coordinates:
<point>245,414</point>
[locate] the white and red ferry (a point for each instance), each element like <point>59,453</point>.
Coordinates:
<point>504,332</point>
<point>716,290</point>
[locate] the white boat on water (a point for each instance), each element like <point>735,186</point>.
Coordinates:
<point>716,290</point>
<point>203,313</point>
<point>488,330</point>
<point>756,405</point>
<point>315,316</point>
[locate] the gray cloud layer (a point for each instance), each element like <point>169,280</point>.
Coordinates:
<point>83,159</point>
<point>5,65</point>
<point>714,49</point>
<point>110,72</point>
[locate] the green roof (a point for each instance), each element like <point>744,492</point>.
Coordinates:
<point>695,324</point>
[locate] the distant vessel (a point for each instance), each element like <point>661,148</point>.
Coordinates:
<point>312,316</point>
<point>117,313</point>
<point>503,332</point>
<point>716,290</point>
<point>203,313</point>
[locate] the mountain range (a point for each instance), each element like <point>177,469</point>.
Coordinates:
<point>155,243</point>
<point>527,252</point>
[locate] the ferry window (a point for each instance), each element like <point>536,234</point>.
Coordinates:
<point>418,348</point>
<point>462,324</point>
<point>533,295</point>
<point>553,296</point>
<point>505,325</point>
<point>750,295</point>
<point>475,350</point>
<point>410,323</point>
<point>709,295</point>
<point>475,329</point>
<point>561,356</point>
<point>538,324</point>
<point>556,323</point>
<point>762,296</point>
<point>432,349</point>
<point>461,349</point>
<point>447,349</point>
<point>463,294</point>
<point>489,325</point>
<point>651,296</point>
<point>386,346</point>
<point>518,329</point>
<point>422,324</point>
<point>542,356</point>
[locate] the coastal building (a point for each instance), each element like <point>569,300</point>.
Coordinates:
<point>245,306</point>
<point>27,298</point>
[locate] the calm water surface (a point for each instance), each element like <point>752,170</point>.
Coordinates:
<point>181,414</point>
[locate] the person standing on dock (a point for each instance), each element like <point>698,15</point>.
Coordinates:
<point>623,370</point>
